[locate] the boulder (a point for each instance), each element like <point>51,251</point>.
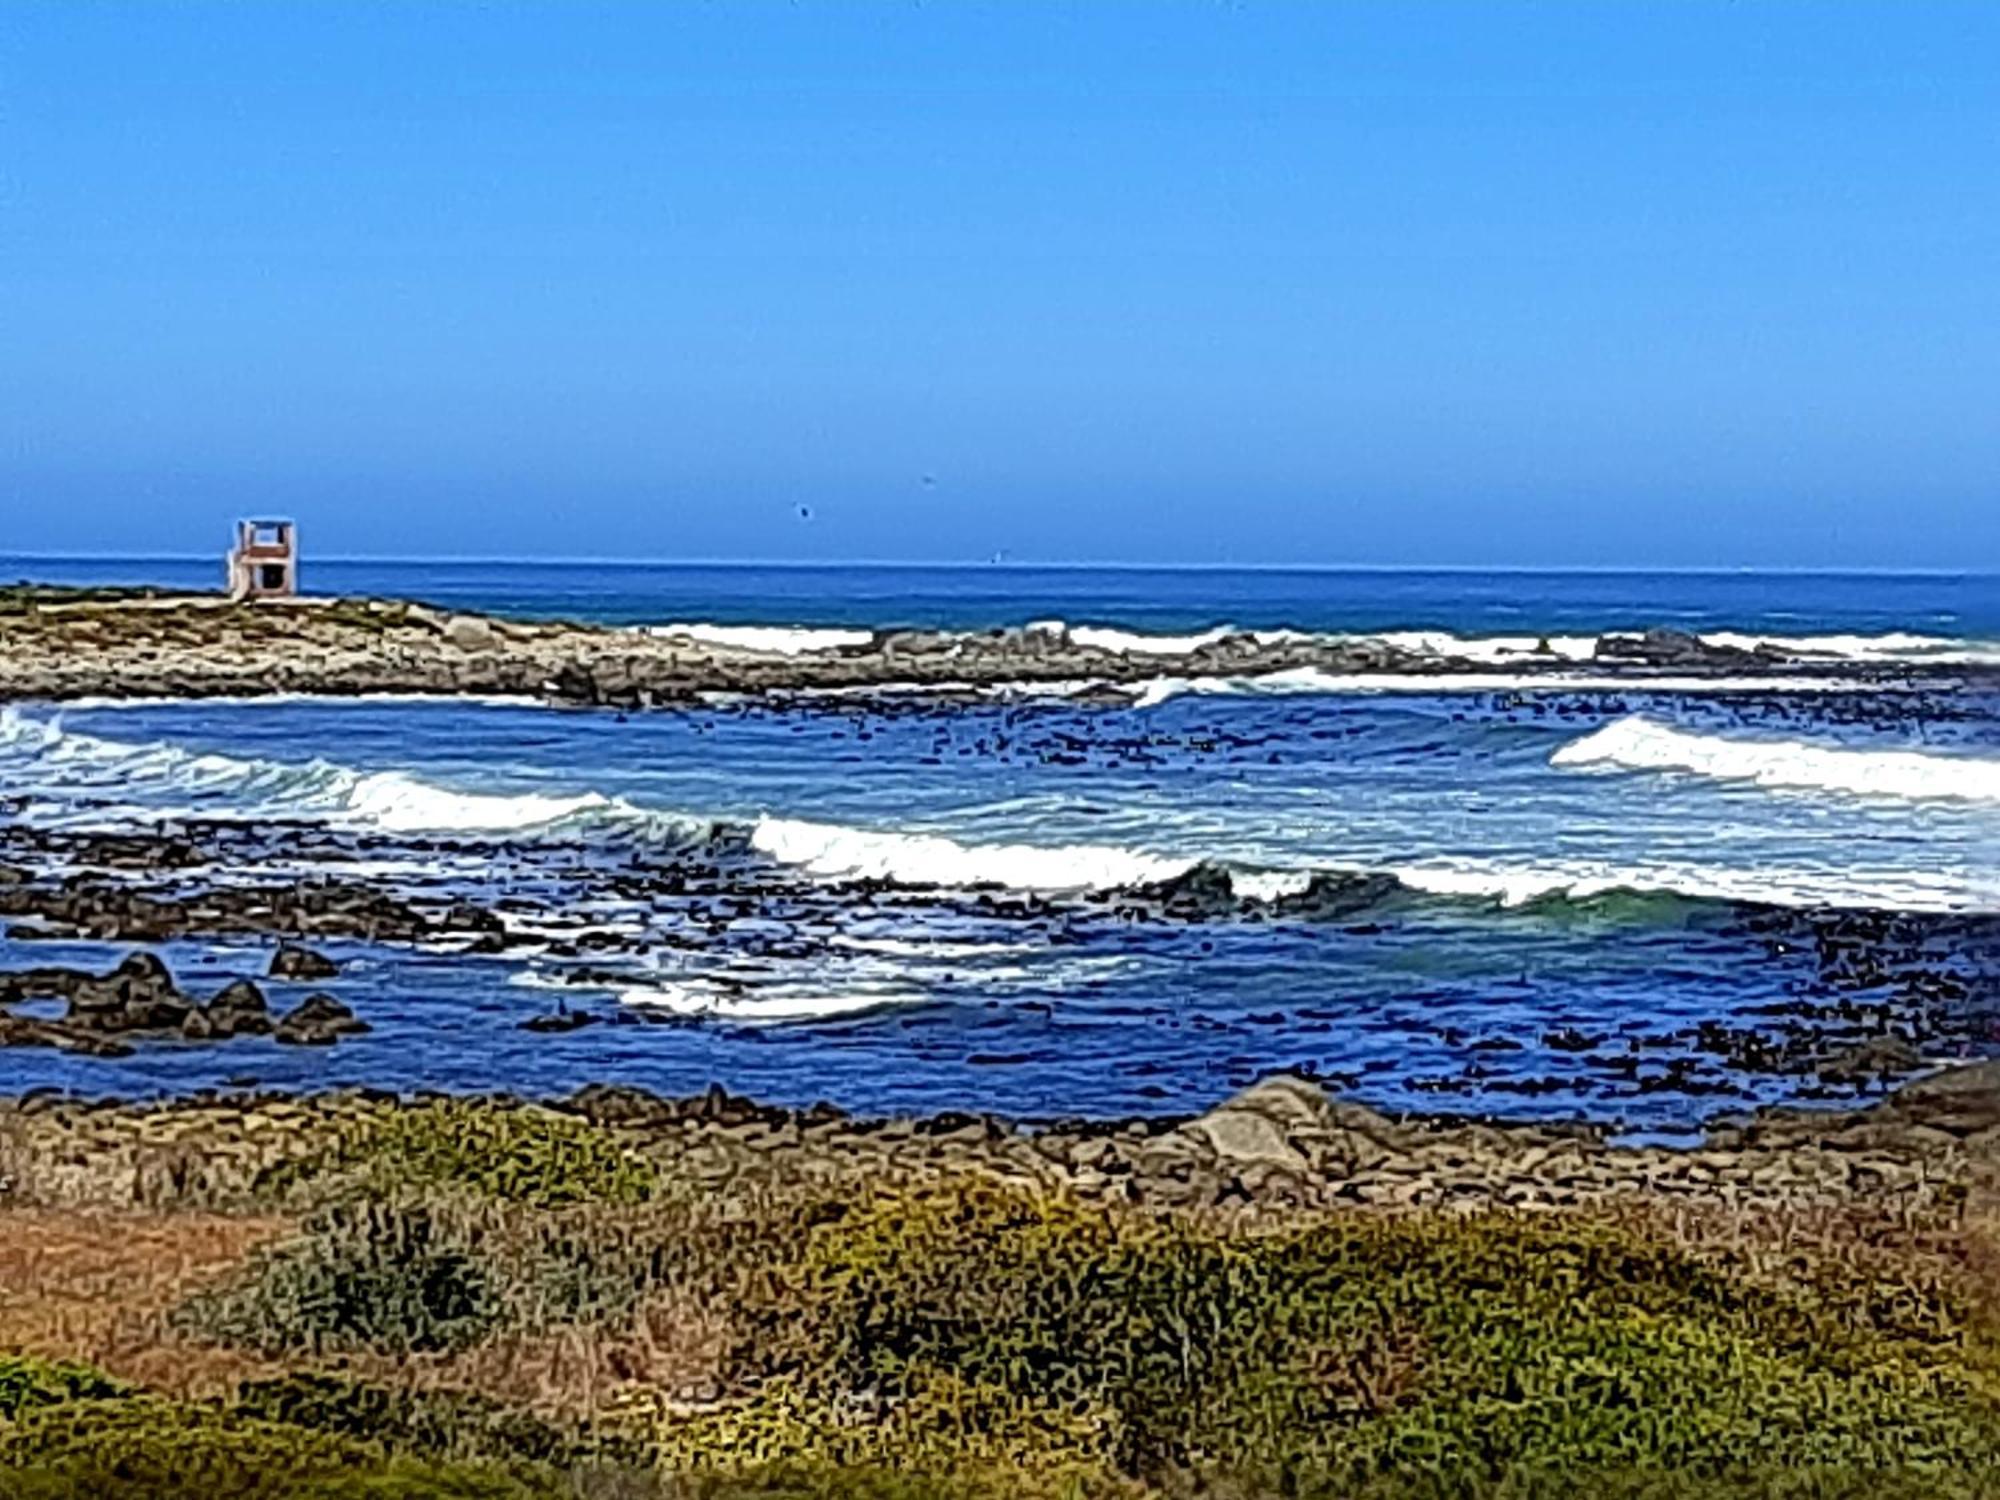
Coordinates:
<point>1290,1124</point>
<point>1962,1100</point>
<point>1877,1058</point>
<point>238,1009</point>
<point>23,1031</point>
<point>1675,648</point>
<point>138,995</point>
<point>318,1021</point>
<point>471,633</point>
<point>560,1020</point>
<point>296,965</point>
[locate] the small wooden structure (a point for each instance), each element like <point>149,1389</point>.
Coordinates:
<point>264,563</point>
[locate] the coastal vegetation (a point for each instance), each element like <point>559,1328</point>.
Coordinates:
<point>451,1297</point>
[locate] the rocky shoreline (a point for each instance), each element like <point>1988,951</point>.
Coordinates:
<point>56,646</point>
<point>1283,1143</point>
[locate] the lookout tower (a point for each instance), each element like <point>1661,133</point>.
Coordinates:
<point>264,563</point>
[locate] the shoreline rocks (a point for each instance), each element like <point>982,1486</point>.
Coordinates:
<point>204,647</point>
<point>138,997</point>
<point>1281,1144</point>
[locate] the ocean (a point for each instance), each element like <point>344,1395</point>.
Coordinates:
<point>1645,907</point>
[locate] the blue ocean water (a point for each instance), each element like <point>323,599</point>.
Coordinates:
<point>1168,600</point>
<point>1578,903</point>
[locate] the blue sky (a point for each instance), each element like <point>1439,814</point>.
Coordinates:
<point>1595,284</point>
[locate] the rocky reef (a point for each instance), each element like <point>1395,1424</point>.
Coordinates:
<point>55,647</point>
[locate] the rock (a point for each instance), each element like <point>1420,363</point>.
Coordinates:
<point>1877,1058</point>
<point>43,983</point>
<point>1289,1123</point>
<point>318,1021</point>
<point>1201,892</point>
<point>239,1009</point>
<point>560,1020</point>
<point>1962,1100</point>
<point>138,995</point>
<point>1675,648</point>
<point>617,1104</point>
<point>21,1031</point>
<point>1241,1137</point>
<point>1331,897</point>
<point>471,633</point>
<point>297,965</point>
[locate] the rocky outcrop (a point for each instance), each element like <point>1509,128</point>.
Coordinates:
<point>113,911</point>
<point>1282,1144</point>
<point>138,995</point>
<point>201,646</point>
<point>238,1010</point>
<point>292,964</point>
<point>318,1021</point>
<point>138,998</point>
<point>1677,648</point>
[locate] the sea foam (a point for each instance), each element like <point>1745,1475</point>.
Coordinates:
<point>775,640</point>
<point>834,850</point>
<point>1636,743</point>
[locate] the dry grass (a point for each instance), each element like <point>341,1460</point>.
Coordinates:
<point>96,1285</point>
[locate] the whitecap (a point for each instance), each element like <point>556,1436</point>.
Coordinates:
<point>834,850</point>
<point>771,640</point>
<point>1303,681</point>
<point>1127,642</point>
<point>1636,743</point>
<point>697,999</point>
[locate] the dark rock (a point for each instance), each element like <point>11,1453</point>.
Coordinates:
<point>1962,1100</point>
<point>318,1021</point>
<point>1330,897</point>
<point>561,1020</point>
<point>239,1009</point>
<point>1879,1057</point>
<point>615,1104</point>
<point>138,995</point>
<point>43,983</point>
<point>296,965</point>
<point>22,1031</point>
<point>1676,648</point>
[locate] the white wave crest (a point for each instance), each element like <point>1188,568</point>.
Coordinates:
<point>772,640</point>
<point>1496,648</point>
<point>1311,680</point>
<point>1512,883</point>
<point>400,803</point>
<point>178,780</point>
<point>1890,647</point>
<point>773,1005</point>
<point>829,849</point>
<point>1637,743</point>
<point>1128,642</point>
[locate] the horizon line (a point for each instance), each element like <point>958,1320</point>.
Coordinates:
<point>1074,565</point>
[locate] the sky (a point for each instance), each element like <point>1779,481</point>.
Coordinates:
<point>1510,284</point>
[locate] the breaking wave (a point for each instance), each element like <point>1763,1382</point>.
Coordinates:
<point>81,776</point>
<point>778,640</point>
<point>831,849</point>
<point>1889,648</point>
<point>66,762</point>
<point>1316,680</point>
<point>1637,743</point>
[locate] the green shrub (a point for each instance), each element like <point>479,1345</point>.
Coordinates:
<point>146,1447</point>
<point>519,1154</point>
<point>26,1382</point>
<point>1342,1349</point>
<point>380,1276</point>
